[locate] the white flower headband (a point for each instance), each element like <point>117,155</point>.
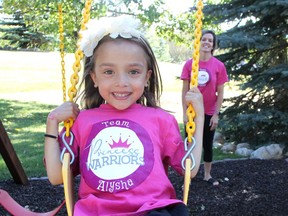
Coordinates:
<point>123,26</point>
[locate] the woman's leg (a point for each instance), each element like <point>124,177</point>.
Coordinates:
<point>208,138</point>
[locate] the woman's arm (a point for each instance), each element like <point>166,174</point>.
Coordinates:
<point>220,97</point>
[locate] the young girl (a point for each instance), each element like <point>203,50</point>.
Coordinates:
<point>123,141</point>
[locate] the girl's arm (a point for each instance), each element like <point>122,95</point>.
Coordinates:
<point>195,97</point>
<point>52,150</point>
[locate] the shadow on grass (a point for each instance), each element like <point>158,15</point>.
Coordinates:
<point>25,123</point>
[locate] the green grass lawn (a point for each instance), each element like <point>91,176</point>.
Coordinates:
<point>25,125</point>
<point>24,119</point>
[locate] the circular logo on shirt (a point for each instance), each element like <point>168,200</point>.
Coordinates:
<point>118,156</point>
<point>203,77</point>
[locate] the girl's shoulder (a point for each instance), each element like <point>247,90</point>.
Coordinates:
<point>134,110</point>
<point>87,113</point>
<point>159,112</point>
<point>188,61</point>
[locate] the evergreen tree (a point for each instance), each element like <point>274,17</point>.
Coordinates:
<point>256,56</point>
<point>16,35</point>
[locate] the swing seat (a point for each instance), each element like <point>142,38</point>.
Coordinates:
<point>10,205</point>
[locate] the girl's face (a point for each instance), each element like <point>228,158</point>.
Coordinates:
<point>207,41</point>
<point>120,72</point>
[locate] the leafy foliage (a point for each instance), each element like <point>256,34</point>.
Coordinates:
<point>256,56</point>
<point>42,16</point>
<point>253,42</point>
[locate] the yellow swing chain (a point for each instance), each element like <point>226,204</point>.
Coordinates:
<point>190,126</point>
<point>61,37</point>
<point>72,92</point>
<point>74,77</point>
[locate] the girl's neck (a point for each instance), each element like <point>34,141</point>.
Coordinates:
<point>205,56</point>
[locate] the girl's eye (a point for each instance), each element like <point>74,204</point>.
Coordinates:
<point>108,72</point>
<point>134,72</point>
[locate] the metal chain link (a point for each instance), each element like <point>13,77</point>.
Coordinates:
<point>188,161</point>
<point>61,37</point>
<point>74,79</point>
<point>190,126</point>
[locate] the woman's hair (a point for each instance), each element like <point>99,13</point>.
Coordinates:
<point>90,96</point>
<point>214,38</point>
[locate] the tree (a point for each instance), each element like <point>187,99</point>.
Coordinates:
<point>16,35</point>
<point>253,46</point>
<point>255,53</point>
<point>179,30</point>
<point>42,16</point>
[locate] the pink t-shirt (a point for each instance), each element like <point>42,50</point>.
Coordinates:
<point>124,157</point>
<point>211,74</point>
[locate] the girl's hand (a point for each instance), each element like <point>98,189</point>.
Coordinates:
<point>65,111</point>
<point>195,98</point>
<point>185,118</point>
